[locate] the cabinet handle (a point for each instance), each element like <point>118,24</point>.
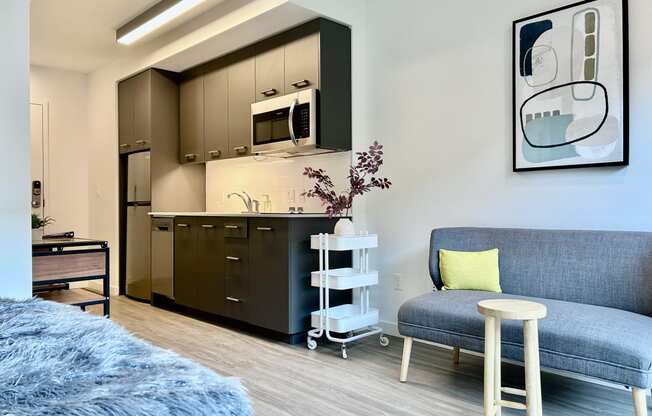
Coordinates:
<point>301,83</point>
<point>230,299</point>
<point>240,149</point>
<point>183,225</point>
<point>264,228</point>
<point>269,92</point>
<point>214,153</point>
<point>231,227</point>
<point>190,156</point>
<point>125,146</point>
<point>231,258</point>
<point>142,141</point>
<point>207,226</point>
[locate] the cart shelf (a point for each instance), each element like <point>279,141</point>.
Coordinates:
<point>346,318</point>
<point>346,278</point>
<point>346,242</point>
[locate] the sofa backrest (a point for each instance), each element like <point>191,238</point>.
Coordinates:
<point>605,268</point>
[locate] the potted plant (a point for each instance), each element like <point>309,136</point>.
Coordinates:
<point>38,224</point>
<point>361,178</point>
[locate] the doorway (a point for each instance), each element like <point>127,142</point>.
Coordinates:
<point>39,127</point>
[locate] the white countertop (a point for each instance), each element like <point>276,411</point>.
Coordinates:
<point>236,214</point>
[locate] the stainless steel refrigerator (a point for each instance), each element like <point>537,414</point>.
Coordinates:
<point>138,281</point>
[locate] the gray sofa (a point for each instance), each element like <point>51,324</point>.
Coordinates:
<point>597,286</point>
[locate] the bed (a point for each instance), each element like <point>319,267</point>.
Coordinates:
<point>57,360</point>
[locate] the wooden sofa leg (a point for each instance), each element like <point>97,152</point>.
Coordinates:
<point>640,401</point>
<point>456,355</point>
<point>405,363</point>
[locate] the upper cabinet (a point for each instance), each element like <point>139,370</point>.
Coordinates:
<point>134,113</point>
<point>302,64</point>
<point>270,74</point>
<point>241,96</point>
<point>216,101</point>
<point>191,120</point>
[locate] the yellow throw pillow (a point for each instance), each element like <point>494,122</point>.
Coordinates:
<point>470,270</point>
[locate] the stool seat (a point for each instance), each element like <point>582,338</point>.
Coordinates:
<point>512,309</point>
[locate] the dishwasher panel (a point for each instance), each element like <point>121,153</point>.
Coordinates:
<point>163,256</point>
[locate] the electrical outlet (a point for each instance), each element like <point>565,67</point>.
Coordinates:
<point>398,280</point>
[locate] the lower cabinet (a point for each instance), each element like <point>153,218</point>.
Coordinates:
<point>254,270</point>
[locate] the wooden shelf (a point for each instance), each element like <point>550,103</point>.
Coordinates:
<point>72,296</point>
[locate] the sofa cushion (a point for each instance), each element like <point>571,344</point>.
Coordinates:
<point>596,341</point>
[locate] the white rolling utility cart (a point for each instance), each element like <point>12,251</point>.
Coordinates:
<point>352,322</point>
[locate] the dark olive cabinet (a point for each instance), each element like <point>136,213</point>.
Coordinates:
<point>302,64</point>
<point>253,270</point>
<point>191,121</point>
<point>241,96</point>
<point>216,133</point>
<point>270,74</point>
<point>134,113</point>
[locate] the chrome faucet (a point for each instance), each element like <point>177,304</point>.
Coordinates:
<point>251,205</point>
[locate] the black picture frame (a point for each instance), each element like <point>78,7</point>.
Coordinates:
<point>625,46</point>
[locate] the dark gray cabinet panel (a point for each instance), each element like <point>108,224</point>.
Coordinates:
<point>210,271</point>
<point>126,114</point>
<point>241,96</point>
<point>236,278</point>
<point>191,120</point>
<point>302,64</point>
<point>185,267</point>
<point>216,101</point>
<point>142,109</point>
<point>269,261</point>
<point>270,74</point>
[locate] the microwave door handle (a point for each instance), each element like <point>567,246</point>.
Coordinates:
<point>291,124</point>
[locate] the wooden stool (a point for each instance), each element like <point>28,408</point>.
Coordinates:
<point>495,311</point>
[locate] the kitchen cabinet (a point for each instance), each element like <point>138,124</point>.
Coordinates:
<point>216,100</point>
<point>191,120</point>
<point>270,74</point>
<point>236,279</point>
<point>185,281</point>
<point>302,64</point>
<point>134,113</point>
<point>241,95</point>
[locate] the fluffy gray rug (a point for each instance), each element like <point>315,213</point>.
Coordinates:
<point>57,360</point>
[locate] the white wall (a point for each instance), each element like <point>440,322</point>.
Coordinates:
<point>442,107</point>
<point>281,179</point>
<point>15,148</point>
<point>66,92</point>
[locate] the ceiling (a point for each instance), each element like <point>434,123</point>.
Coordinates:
<point>79,35</point>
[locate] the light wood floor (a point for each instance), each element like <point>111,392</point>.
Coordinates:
<point>290,380</point>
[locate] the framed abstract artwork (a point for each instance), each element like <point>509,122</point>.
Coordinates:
<point>570,79</point>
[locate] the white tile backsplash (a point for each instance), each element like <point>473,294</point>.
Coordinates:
<point>281,179</point>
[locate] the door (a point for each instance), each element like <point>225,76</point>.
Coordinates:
<point>191,120</point>
<point>210,273</point>
<point>138,252</point>
<point>236,277</point>
<point>138,177</point>
<point>270,74</point>
<point>39,123</point>
<point>142,112</point>
<point>302,64</point>
<point>269,274</point>
<point>126,115</point>
<point>216,101</point>
<point>185,266</point>
<point>241,96</point>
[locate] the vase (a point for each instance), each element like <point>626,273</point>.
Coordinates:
<point>37,233</point>
<point>344,227</point>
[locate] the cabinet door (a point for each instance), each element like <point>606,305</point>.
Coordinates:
<point>236,276</point>
<point>126,114</point>
<point>138,257</point>
<point>216,100</point>
<point>142,110</point>
<point>269,274</point>
<point>270,74</point>
<point>191,120</point>
<point>185,266</point>
<point>210,276</point>
<point>302,64</point>
<point>241,96</point>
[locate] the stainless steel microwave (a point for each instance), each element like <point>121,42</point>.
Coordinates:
<point>285,126</point>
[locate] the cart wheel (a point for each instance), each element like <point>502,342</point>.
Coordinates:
<point>344,354</point>
<point>312,344</point>
<point>384,341</point>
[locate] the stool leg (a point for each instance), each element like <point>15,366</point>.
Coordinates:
<point>489,354</point>
<point>497,366</point>
<point>640,401</point>
<point>532,370</point>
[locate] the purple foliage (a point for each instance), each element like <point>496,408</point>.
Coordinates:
<point>361,180</point>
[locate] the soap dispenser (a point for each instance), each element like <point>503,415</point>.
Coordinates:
<point>267,203</point>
